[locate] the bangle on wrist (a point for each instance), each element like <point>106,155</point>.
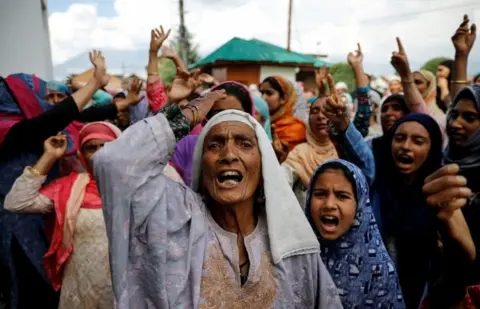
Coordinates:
<point>407,81</point>
<point>35,172</point>
<point>152,73</point>
<point>460,82</point>
<point>195,110</point>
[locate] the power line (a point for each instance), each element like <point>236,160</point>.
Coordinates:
<point>472,4</point>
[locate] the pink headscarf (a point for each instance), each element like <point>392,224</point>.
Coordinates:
<point>96,130</point>
<point>69,194</point>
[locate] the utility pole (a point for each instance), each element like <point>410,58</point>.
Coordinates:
<point>183,35</point>
<point>289,34</point>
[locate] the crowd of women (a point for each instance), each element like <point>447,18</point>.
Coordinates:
<point>212,195</point>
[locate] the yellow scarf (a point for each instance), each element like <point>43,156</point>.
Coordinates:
<point>306,157</point>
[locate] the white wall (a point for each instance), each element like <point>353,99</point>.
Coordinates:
<point>266,71</point>
<point>25,40</point>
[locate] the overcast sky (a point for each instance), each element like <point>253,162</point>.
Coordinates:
<point>425,26</point>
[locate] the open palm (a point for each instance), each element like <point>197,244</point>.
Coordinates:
<point>158,36</point>
<point>100,73</point>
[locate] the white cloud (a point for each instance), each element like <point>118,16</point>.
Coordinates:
<point>338,25</point>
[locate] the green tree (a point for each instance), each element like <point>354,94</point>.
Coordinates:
<point>432,64</point>
<point>192,48</point>
<point>342,72</point>
<point>166,70</point>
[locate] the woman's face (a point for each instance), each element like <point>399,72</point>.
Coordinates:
<point>390,113</point>
<point>420,82</point>
<point>317,120</point>
<point>395,87</point>
<point>231,163</point>
<point>463,121</point>
<point>271,96</point>
<point>443,71</point>
<point>410,147</point>
<point>89,148</point>
<point>333,204</point>
<point>54,97</point>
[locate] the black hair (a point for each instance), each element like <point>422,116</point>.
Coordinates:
<point>275,85</point>
<point>334,165</point>
<point>400,99</point>
<point>476,77</point>
<point>192,96</point>
<point>120,95</point>
<point>239,92</point>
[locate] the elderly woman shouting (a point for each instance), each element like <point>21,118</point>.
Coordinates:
<point>237,239</point>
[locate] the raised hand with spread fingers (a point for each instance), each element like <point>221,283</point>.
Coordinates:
<point>157,37</point>
<point>100,73</point>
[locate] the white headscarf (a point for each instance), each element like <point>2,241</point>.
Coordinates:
<point>288,229</point>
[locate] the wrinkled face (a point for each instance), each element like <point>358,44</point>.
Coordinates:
<point>231,163</point>
<point>230,102</point>
<point>89,148</point>
<point>443,71</point>
<point>54,97</point>
<point>390,113</point>
<point>420,82</point>
<point>463,121</point>
<point>410,147</point>
<point>395,87</point>
<point>340,91</point>
<point>317,120</point>
<point>333,204</point>
<point>271,96</point>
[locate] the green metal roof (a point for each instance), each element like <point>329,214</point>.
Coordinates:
<point>254,50</point>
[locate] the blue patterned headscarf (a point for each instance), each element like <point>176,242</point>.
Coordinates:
<point>262,108</point>
<point>358,262</point>
<point>59,87</point>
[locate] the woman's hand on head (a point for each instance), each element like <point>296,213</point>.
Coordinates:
<point>100,73</point>
<point>399,61</point>
<point>157,37</point>
<point>446,191</point>
<point>464,38</point>
<point>335,109</point>
<point>202,105</point>
<point>55,146</point>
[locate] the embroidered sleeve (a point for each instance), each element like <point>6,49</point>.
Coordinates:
<point>156,94</point>
<point>357,151</point>
<point>364,110</point>
<point>179,124</point>
<point>24,197</point>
